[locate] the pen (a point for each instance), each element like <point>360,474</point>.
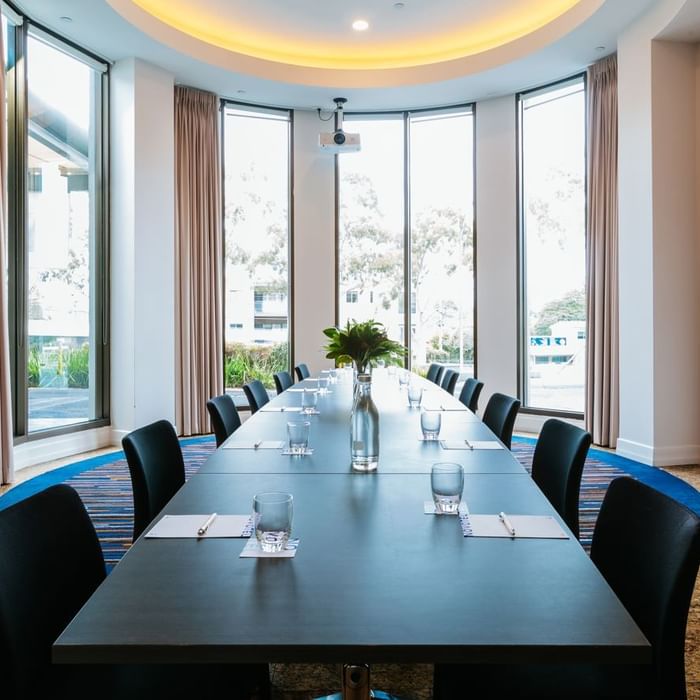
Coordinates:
<point>257,444</point>
<point>471,447</point>
<point>509,526</point>
<point>203,530</point>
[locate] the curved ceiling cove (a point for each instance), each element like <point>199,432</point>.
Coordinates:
<point>311,42</point>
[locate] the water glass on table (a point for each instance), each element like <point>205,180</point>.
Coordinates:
<point>333,376</point>
<point>323,385</point>
<point>272,513</point>
<point>404,378</point>
<point>309,398</point>
<point>430,422</point>
<point>415,394</point>
<point>298,434</point>
<point>447,484</point>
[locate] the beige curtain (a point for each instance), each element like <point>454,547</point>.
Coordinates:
<point>6,439</point>
<point>602,378</point>
<point>198,258</point>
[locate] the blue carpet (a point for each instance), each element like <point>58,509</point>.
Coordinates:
<point>105,487</point>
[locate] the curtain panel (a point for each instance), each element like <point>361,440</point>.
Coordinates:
<point>6,431</point>
<point>602,360</point>
<point>198,258</point>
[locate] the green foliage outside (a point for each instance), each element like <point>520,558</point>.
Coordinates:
<point>446,349</point>
<point>77,367</point>
<point>242,363</point>
<point>571,307</point>
<point>33,368</point>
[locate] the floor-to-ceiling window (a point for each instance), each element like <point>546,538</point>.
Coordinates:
<point>553,223</point>
<point>57,231</point>
<point>371,225</point>
<point>442,240</point>
<point>256,232</point>
<point>405,232</point>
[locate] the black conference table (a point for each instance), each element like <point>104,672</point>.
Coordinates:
<point>374,579</point>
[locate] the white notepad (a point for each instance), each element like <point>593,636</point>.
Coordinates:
<point>471,445</point>
<point>525,526</point>
<point>258,445</point>
<point>252,549</point>
<point>301,391</point>
<point>281,409</point>
<point>185,526</point>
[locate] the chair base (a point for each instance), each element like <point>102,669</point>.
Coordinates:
<point>356,685</point>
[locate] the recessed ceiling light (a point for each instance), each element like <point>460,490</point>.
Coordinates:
<point>241,92</point>
<point>399,5</point>
<point>360,25</point>
<point>600,48</point>
<point>65,18</point>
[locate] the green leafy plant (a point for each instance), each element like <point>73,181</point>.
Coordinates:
<point>363,343</point>
<point>242,363</point>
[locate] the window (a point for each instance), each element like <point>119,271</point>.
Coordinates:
<point>57,232</point>
<point>553,308</point>
<point>256,230</point>
<point>375,239</point>
<point>371,225</point>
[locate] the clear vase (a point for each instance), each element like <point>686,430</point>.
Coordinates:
<point>364,431</point>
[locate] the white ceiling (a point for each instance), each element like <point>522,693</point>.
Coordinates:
<point>98,27</point>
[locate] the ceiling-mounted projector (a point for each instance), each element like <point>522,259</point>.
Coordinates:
<point>339,141</point>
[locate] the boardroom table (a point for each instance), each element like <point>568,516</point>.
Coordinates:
<point>374,579</point>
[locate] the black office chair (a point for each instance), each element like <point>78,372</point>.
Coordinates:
<point>557,466</point>
<point>224,417</point>
<point>302,371</point>
<point>647,547</point>
<point>469,395</point>
<point>439,375</point>
<point>449,381</point>
<point>283,380</point>
<point>432,372</point>
<point>256,394</point>
<point>157,470</point>
<point>499,416</point>
<point>50,564</point>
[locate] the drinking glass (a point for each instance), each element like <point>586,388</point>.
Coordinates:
<point>323,385</point>
<point>273,520</point>
<point>404,378</point>
<point>308,401</point>
<point>447,483</point>
<point>415,394</point>
<point>333,376</point>
<point>298,434</point>
<point>430,422</point>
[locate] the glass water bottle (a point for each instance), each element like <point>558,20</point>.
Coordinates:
<point>364,432</point>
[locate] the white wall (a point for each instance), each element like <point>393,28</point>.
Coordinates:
<point>142,239</point>
<point>659,325</point>
<point>496,247</point>
<point>314,242</point>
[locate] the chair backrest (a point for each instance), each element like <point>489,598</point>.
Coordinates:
<point>446,378</point>
<point>440,373</point>
<point>50,564</point>
<point>469,395</point>
<point>557,466</point>
<point>451,382</point>
<point>224,417</point>
<point>432,372</point>
<point>302,371</point>
<point>256,394</point>
<point>499,416</point>
<point>283,380</point>
<point>157,470</point>
<point>647,546</point>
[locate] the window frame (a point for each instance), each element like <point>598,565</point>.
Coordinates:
<point>406,115</point>
<point>288,113</point>
<point>21,26</point>
<point>521,276</point>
